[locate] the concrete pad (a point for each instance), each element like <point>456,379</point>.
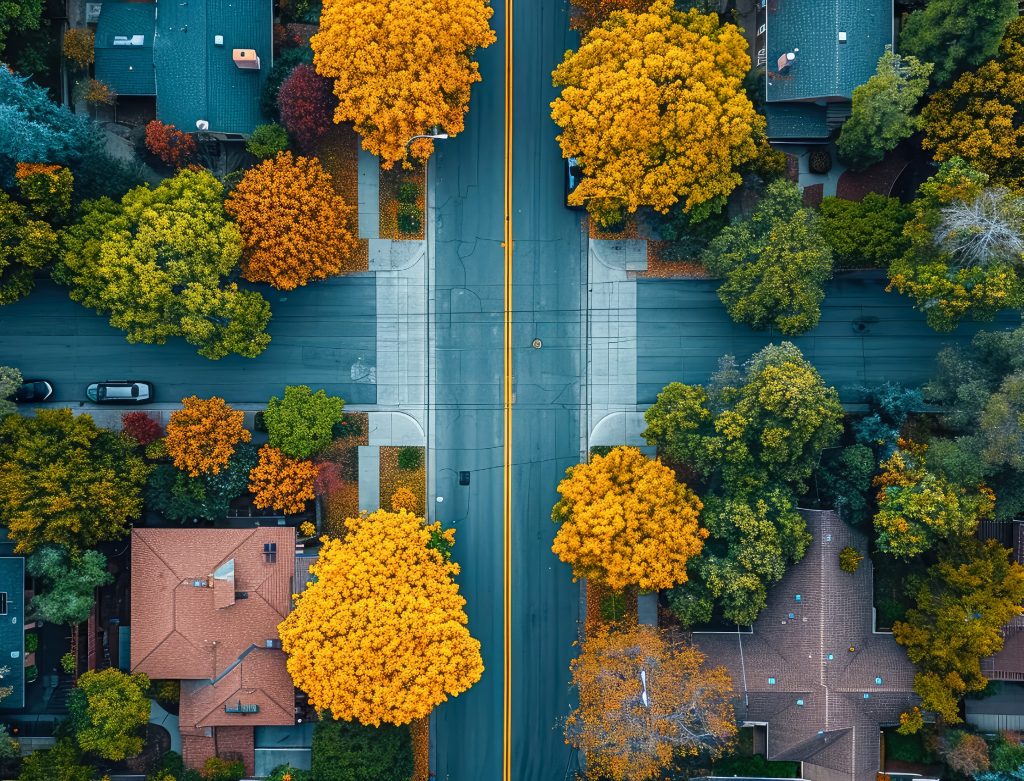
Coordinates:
<point>391,255</point>
<point>369,195</point>
<point>625,254</point>
<point>395,429</point>
<point>157,715</point>
<point>647,609</point>
<point>620,428</point>
<point>369,478</point>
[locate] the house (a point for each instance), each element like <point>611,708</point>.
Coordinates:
<point>1008,664</point>
<point>12,630</point>
<point>204,63</point>
<point>814,54</point>
<point>811,675</point>
<point>205,605</point>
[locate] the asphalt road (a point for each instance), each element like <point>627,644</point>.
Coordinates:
<point>323,336</point>
<point>866,336</point>
<point>547,289</point>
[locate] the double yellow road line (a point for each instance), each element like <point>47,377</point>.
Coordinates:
<point>507,395</point>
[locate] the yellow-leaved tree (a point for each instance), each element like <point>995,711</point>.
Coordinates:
<point>401,67</point>
<point>626,521</point>
<point>381,635</point>
<point>654,110</point>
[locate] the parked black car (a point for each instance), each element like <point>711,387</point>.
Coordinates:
<point>120,392</point>
<point>573,177</point>
<point>33,392</point>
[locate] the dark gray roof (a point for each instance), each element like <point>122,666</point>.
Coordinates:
<point>822,702</point>
<point>1007,664</point>
<point>796,120</point>
<point>126,66</point>
<point>12,630</point>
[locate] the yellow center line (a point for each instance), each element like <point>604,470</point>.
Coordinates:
<point>507,466</point>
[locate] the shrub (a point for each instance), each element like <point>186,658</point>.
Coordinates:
<point>95,93</point>
<point>141,427</point>
<point>31,642</point>
<point>850,559</point>
<point>282,483</point>
<point>68,664</point>
<point>267,140</point>
<point>328,478</point>
<point>31,673</point>
<point>165,691</point>
<point>301,423</point>
<point>350,751</point>
<point>79,46</point>
<point>307,529</point>
<point>820,161</point>
<point>410,218</point>
<point>408,192</point>
<point>156,451</point>
<point>174,147</point>
<point>306,104</point>
<point>410,458</point>
<point>404,499</point>
<point>217,769</point>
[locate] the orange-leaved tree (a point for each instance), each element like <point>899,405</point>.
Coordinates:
<point>280,482</point>
<point>401,67</point>
<point>653,108</point>
<point>626,521</point>
<point>295,227</point>
<point>381,636</point>
<point>644,701</point>
<point>201,436</point>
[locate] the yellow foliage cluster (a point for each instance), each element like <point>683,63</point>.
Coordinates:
<point>978,118</point>
<point>626,521</point>
<point>688,710</point>
<point>201,436</point>
<point>404,499</point>
<point>284,483</point>
<point>79,46</point>
<point>401,67</point>
<point>380,635</point>
<point>295,227</point>
<point>654,109</point>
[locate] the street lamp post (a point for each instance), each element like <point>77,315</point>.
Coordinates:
<point>435,134</point>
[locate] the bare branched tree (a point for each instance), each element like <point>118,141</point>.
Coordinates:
<point>984,231</point>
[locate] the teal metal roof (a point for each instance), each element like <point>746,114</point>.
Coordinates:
<point>824,67</point>
<point>12,629</point>
<point>795,120</point>
<point>197,79</point>
<point>128,65</point>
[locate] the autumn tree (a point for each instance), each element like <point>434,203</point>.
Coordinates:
<point>174,147</point>
<point>864,233</point>
<point>294,227</point>
<point>588,14</point>
<point>79,46</point>
<point>45,189</point>
<point>400,68</point>
<point>644,701</point>
<point>774,265</point>
<point>626,521</point>
<point>978,117</point>
<point>942,270</point>
<point>917,508</point>
<point>282,483</point>
<point>160,278</point>
<point>203,434</point>
<point>960,609</point>
<point>141,427</point>
<point>956,34</point>
<point>302,423</point>
<point>26,246</point>
<point>381,639</point>
<point>306,105</point>
<point>107,711</point>
<point>69,582</point>
<point>675,121</point>
<point>65,481</point>
<point>964,752</point>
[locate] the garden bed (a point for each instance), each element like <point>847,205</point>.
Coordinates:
<point>403,467</point>
<point>339,155</point>
<point>410,199</point>
<point>343,501</point>
<point>659,264</point>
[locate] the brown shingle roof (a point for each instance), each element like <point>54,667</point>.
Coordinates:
<point>787,659</point>
<point>181,630</point>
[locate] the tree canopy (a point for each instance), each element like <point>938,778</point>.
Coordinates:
<point>18,16</point>
<point>774,264</point>
<point>960,609</point>
<point>26,246</point>
<point>883,111</point>
<point>160,277</point>
<point>10,381</point>
<point>295,228</point>
<point>306,104</point>
<point>401,67</point>
<point>632,727</point>
<point>65,481</point>
<point>180,497</point>
<point>381,638</point>
<point>350,751</point>
<point>203,433</point>
<point>675,122</point>
<point>70,583</point>
<point>956,34</point>
<point>864,233</point>
<point>978,117</point>
<point>301,423</point>
<point>626,521</point>
<point>281,483</point>
<point>107,712</point>
<point>63,762</point>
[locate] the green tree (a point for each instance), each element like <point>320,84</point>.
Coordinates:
<point>159,278</point>
<point>107,712</point>
<point>63,480</point>
<point>956,34</point>
<point>301,423</point>
<point>26,246</point>
<point>350,751</point>
<point>961,607</point>
<point>18,16</point>
<point>180,497</point>
<point>63,762</point>
<point>267,140</point>
<point>774,265</point>
<point>883,110</point>
<point>863,233</point>
<point>10,381</point>
<point>844,480</point>
<point>70,583</point>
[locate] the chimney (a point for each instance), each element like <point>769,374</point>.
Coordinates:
<point>246,59</point>
<point>785,61</point>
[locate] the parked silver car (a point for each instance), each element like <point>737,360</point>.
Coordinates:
<point>120,392</point>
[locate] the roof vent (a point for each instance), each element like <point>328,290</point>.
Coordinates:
<point>275,643</point>
<point>842,36</point>
<point>218,40</point>
<point>199,583</point>
<point>785,61</point>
